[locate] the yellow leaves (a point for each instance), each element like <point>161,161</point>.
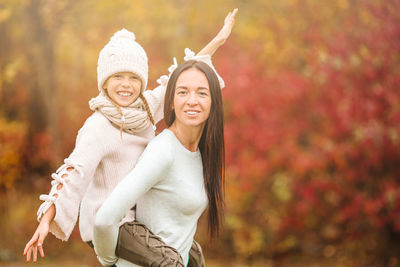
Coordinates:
<point>12,135</point>
<point>355,61</point>
<point>372,130</point>
<point>292,2</point>
<point>364,51</point>
<point>5,14</point>
<point>337,63</point>
<point>274,219</point>
<point>394,135</point>
<point>288,243</point>
<point>249,240</point>
<point>281,187</point>
<point>366,17</point>
<point>322,55</point>
<point>343,4</point>
<point>283,23</point>
<point>12,69</point>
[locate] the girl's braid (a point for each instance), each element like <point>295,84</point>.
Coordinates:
<point>146,105</point>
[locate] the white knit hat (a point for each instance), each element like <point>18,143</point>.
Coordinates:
<point>122,54</point>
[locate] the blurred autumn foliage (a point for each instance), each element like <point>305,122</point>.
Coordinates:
<point>312,115</point>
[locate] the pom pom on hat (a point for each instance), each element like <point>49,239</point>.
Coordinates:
<point>122,54</point>
<point>124,33</point>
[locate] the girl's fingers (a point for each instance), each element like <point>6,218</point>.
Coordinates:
<point>30,243</point>
<point>40,244</point>
<point>26,249</point>
<point>34,253</point>
<point>234,13</point>
<point>28,256</point>
<point>227,18</point>
<point>231,18</point>
<point>41,251</point>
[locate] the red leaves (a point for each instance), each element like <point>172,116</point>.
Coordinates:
<point>329,129</point>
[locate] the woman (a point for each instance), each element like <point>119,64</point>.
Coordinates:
<point>178,174</point>
<point>109,143</point>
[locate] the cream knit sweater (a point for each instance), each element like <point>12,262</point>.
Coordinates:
<point>101,158</point>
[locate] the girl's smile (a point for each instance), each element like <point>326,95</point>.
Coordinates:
<point>123,88</point>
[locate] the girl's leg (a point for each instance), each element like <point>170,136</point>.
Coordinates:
<point>196,257</point>
<point>137,244</point>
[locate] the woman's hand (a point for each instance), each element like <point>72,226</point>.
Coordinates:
<point>36,242</point>
<point>222,35</point>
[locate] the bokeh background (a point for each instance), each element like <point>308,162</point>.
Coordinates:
<point>312,118</point>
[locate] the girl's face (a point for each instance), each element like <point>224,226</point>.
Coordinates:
<point>192,99</point>
<point>123,88</point>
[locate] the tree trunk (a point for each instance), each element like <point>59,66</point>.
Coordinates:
<point>44,94</point>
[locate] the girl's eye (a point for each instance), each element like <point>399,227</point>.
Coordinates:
<point>181,92</point>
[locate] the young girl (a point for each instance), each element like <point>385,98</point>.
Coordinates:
<point>111,140</point>
<point>178,174</point>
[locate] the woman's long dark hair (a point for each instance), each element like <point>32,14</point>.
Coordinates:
<point>211,145</point>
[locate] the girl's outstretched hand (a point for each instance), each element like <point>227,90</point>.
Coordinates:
<point>222,35</point>
<point>226,30</point>
<point>36,242</point>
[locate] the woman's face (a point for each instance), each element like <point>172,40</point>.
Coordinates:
<point>192,99</point>
<point>123,88</point>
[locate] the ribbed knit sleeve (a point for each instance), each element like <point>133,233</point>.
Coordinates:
<point>84,160</point>
<point>149,170</point>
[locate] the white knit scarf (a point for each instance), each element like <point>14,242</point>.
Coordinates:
<point>133,119</point>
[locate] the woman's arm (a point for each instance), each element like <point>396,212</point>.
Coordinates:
<point>149,170</point>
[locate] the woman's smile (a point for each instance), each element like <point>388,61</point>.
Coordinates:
<point>192,100</point>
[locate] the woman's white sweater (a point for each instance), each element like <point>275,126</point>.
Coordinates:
<point>168,185</point>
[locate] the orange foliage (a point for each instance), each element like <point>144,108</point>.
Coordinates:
<point>311,108</point>
<point>12,139</point>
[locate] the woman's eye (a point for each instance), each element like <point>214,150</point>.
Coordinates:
<point>203,93</point>
<point>117,76</point>
<point>134,78</point>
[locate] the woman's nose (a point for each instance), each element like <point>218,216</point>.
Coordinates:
<point>192,100</point>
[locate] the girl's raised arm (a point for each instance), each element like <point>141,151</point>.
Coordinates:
<point>222,35</point>
<point>155,97</point>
